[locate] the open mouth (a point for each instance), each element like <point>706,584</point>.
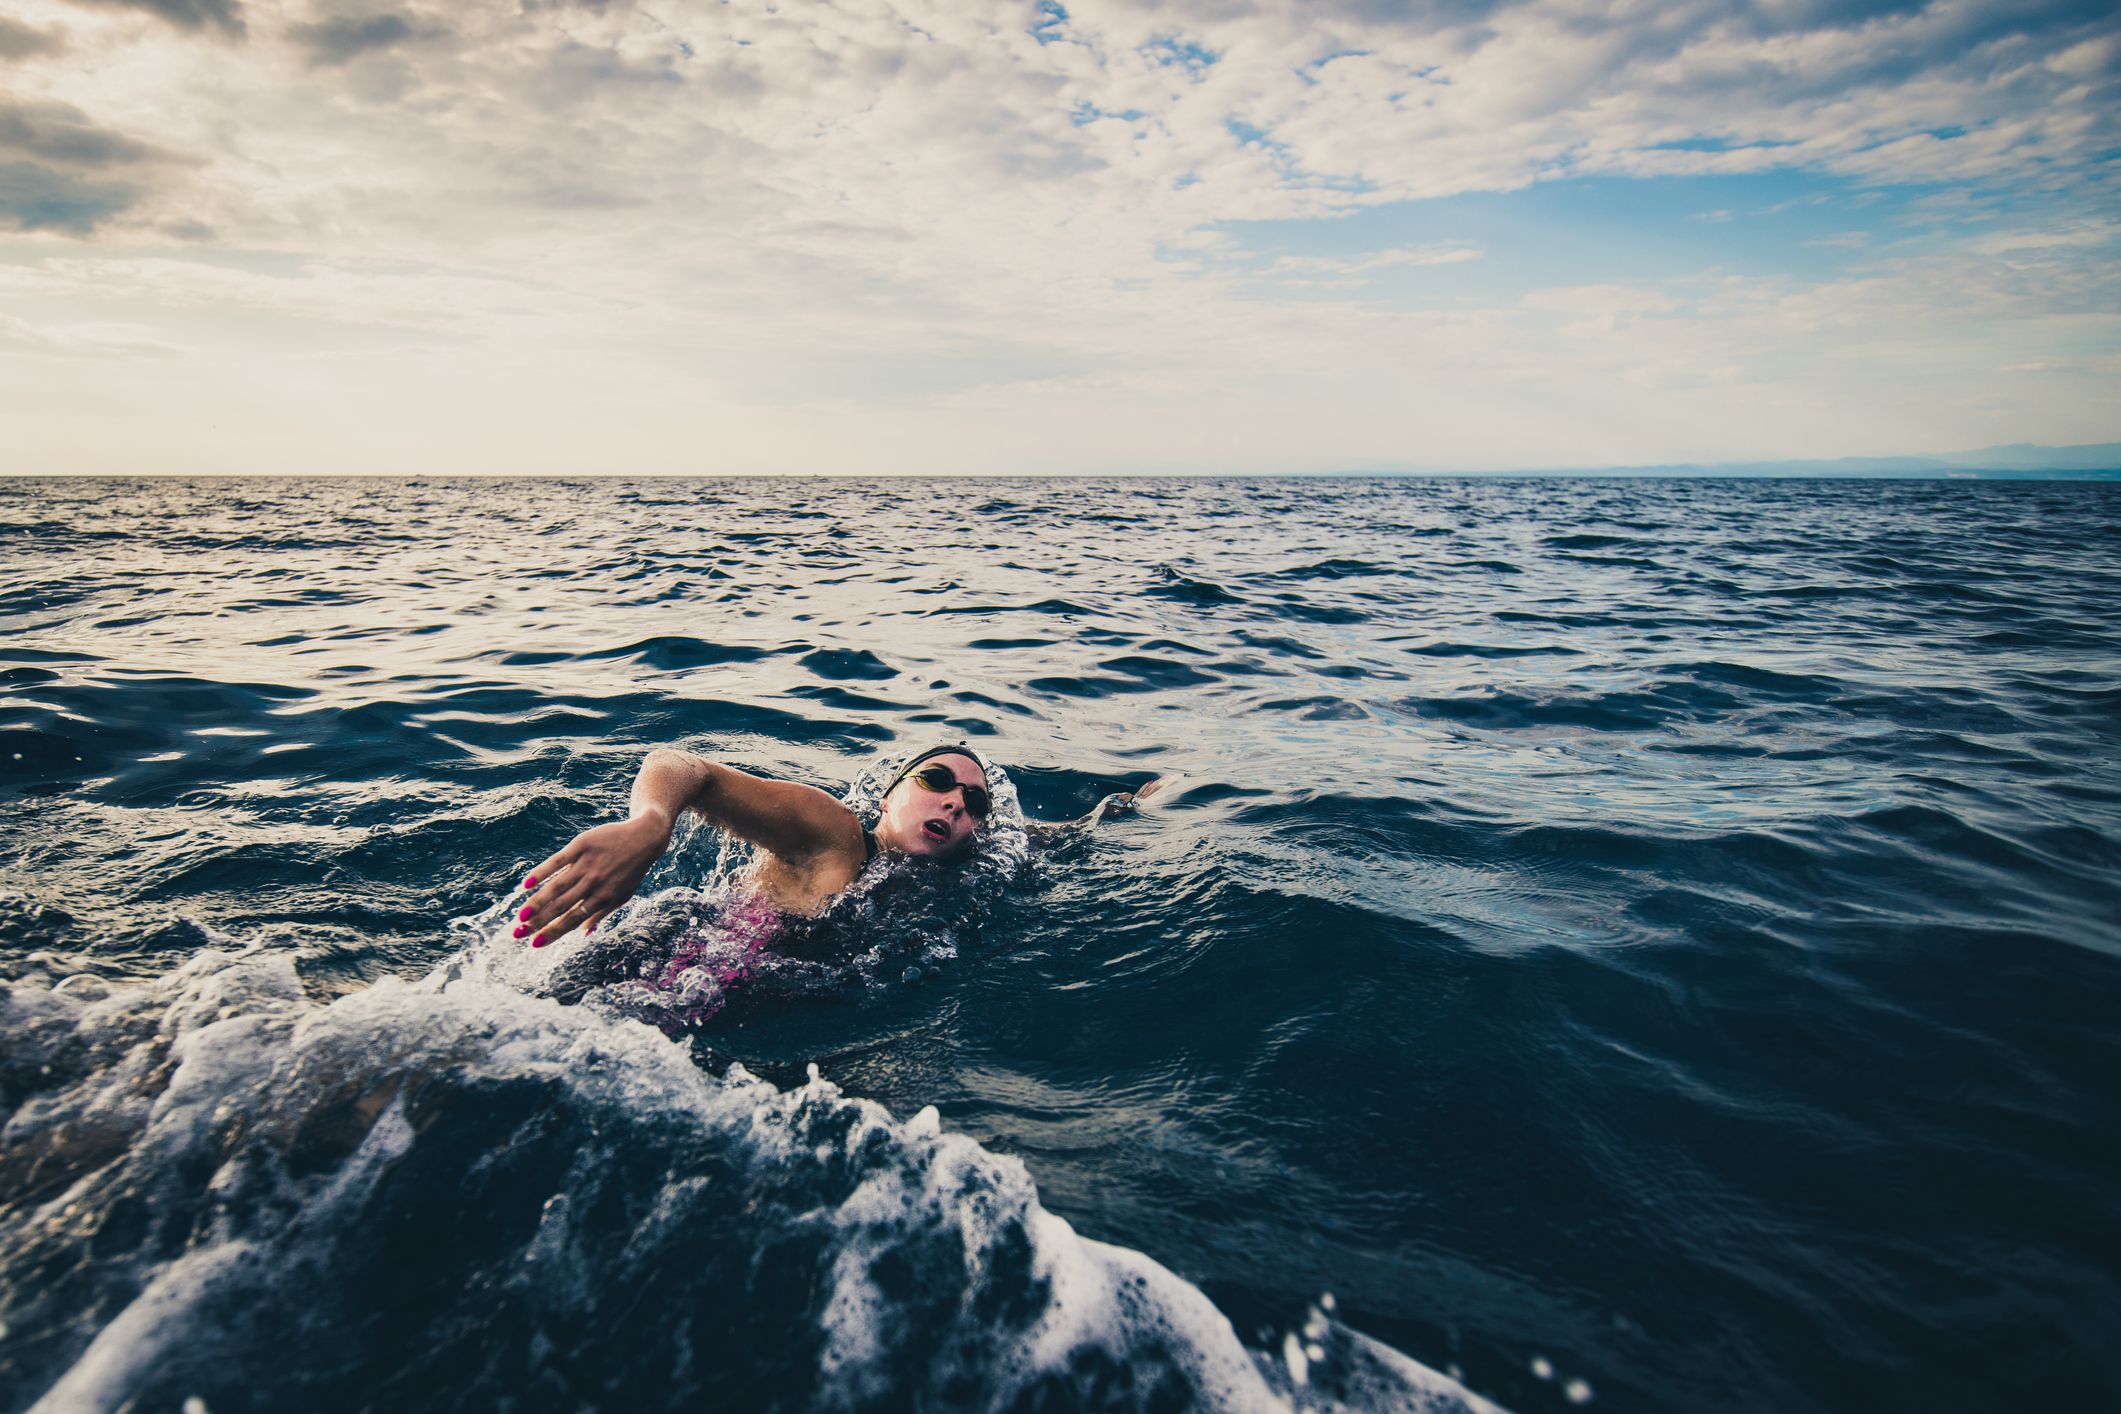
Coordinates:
<point>935,830</point>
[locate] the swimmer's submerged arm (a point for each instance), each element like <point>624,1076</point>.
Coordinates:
<point>602,867</point>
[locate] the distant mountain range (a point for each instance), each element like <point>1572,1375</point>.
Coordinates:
<point>2100,460</point>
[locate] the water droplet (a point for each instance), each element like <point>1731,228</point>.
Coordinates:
<point>1293,1356</point>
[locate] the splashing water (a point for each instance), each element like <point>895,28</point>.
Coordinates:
<point>449,1193</point>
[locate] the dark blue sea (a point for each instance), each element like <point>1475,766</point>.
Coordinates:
<point>1646,944</point>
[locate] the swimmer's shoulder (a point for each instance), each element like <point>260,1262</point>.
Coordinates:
<point>806,885</point>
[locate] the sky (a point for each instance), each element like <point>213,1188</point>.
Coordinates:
<point>873,238</point>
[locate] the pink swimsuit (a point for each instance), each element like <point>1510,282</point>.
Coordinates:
<point>745,929</point>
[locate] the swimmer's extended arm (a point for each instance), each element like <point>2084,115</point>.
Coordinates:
<point>1118,803</point>
<point>600,868</point>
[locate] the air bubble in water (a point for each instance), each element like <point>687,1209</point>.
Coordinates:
<point>1542,1367</point>
<point>1577,1391</point>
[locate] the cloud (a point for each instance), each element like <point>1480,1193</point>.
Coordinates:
<point>21,41</point>
<point>2076,235</point>
<point>890,207</point>
<point>223,15</point>
<point>1365,264</point>
<point>63,171</point>
<point>1184,114</point>
<point>62,133</point>
<point>19,338</point>
<point>1406,101</point>
<point>343,38</point>
<point>34,198</point>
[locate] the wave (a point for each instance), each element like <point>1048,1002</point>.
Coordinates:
<point>444,1194</point>
<point>1168,583</point>
<point>671,652</point>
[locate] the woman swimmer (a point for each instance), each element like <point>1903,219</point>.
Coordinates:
<point>811,846</point>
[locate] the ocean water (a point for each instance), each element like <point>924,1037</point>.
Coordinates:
<point>1629,943</point>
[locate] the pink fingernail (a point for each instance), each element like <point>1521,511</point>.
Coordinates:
<point>538,941</point>
<point>522,930</point>
<point>531,882</point>
<point>524,916</point>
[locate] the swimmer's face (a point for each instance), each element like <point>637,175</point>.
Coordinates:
<point>934,824</point>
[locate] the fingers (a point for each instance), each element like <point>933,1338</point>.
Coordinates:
<point>547,886</point>
<point>555,886</point>
<point>558,861</point>
<point>556,902</point>
<point>576,915</point>
<point>580,897</point>
<point>597,871</point>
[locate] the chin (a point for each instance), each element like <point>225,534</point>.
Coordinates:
<point>922,847</point>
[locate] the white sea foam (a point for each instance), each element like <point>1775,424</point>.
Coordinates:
<point>216,1160</point>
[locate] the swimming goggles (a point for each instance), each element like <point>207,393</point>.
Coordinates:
<point>939,778</point>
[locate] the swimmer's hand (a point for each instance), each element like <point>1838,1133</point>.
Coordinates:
<point>597,871</point>
<point>1161,783</point>
<point>1123,802</point>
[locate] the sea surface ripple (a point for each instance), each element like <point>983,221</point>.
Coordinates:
<point>1648,943</point>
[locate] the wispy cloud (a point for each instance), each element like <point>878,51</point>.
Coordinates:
<point>1372,261</point>
<point>2070,236</point>
<point>20,339</point>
